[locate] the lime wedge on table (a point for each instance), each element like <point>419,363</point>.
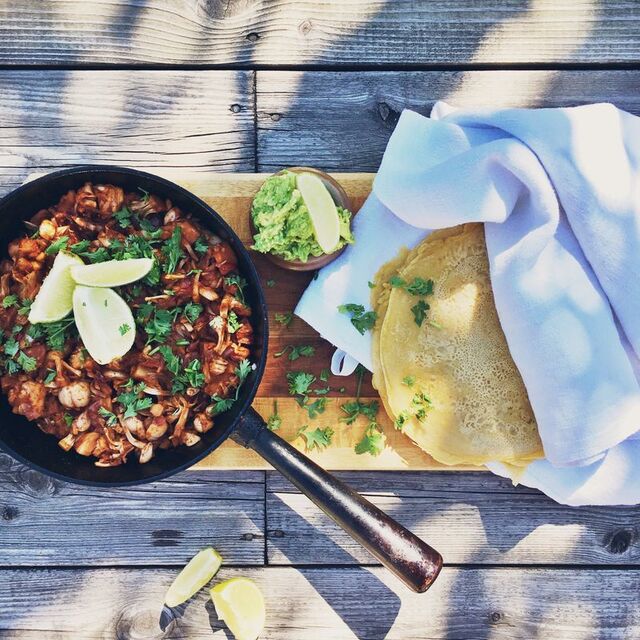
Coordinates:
<point>55,298</point>
<point>112,273</point>
<point>240,604</point>
<point>322,210</point>
<point>105,323</point>
<point>200,569</point>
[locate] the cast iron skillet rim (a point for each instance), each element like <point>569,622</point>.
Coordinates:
<point>253,278</point>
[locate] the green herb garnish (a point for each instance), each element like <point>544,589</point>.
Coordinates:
<point>274,422</point>
<point>419,311</point>
<point>9,301</point>
<point>317,439</point>
<point>57,245</point>
<point>361,320</point>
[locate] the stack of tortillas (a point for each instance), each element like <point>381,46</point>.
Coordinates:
<point>450,384</point>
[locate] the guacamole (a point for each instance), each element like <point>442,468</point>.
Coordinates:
<point>282,221</point>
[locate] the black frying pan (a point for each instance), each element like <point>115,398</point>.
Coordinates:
<point>413,561</point>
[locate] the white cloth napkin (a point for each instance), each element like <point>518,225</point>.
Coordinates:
<point>559,193</point>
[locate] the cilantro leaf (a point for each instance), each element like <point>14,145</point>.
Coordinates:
<point>317,439</point>
<point>233,324</point>
<point>193,373</point>
<point>110,418</point>
<point>192,311</point>
<point>130,400</point>
<point>172,250</point>
<point>313,408</point>
<point>51,376</point>
<point>409,380</point>
<point>9,301</point>
<point>296,352</point>
<point>27,363</point>
<point>419,311</point>
<point>299,382</point>
<point>420,287</point>
<point>201,246</point>
<point>243,370</point>
<point>361,320</point>
<point>11,347</point>
<point>239,282</point>
<point>123,217</point>
<point>271,283</point>
<point>57,245</point>
<point>355,408</point>
<point>274,422</point>
<point>123,328</point>
<point>284,318</point>
<point>221,404</point>
<point>373,441</point>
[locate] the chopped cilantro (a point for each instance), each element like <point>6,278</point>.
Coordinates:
<point>27,363</point>
<point>324,375</point>
<point>299,382</point>
<point>313,408</point>
<point>11,347</point>
<point>80,247</point>
<point>51,376</point>
<point>123,328</point>
<point>355,408</point>
<point>192,311</point>
<point>25,307</point>
<point>172,250</point>
<point>57,245</point>
<point>9,301</point>
<point>233,324</point>
<point>361,320</point>
<point>401,420</point>
<point>221,404</point>
<point>201,246</point>
<point>239,282</point>
<point>373,441</point>
<point>317,439</point>
<point>271,284</point>
<point>110,418</point>
<point>409,380</point>
<point>419,311</point>
<point>130,400</point>
<point>284,318</point>
<point>193,372</point>
<point>123,217</point>
<point>306,350</point>
<point>274,422</point>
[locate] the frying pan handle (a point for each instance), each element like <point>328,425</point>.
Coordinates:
<point>403,553</point>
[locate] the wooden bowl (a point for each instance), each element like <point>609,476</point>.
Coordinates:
<point>341,199</point>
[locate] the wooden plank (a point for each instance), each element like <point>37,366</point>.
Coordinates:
<point>48,522</point>
<point>338,121</point>
<point>469,517</point>
<point>198,120</point>
<point>341,604</point>
<point>329,32</point>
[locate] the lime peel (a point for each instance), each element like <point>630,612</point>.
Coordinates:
<point>198,572</point>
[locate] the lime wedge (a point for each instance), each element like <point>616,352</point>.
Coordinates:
<point>55,298</point>
<point>322,210</point>
<point>105,323</point>
<point>112,273</point>
<point>200,569</point>
<point>240,604</point>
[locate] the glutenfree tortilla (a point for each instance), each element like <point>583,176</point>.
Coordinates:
<point>479,410</point>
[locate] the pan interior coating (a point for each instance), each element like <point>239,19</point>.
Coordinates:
<point>479,408</point>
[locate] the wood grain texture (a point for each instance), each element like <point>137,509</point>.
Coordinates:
<point>346,604</point>
<point>197,120</point>
<point>338,121</point>
<point>471,518</point>
<point>48,522</point>
<point>329,32</point>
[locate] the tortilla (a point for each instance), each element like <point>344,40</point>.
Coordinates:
<point>479,410</point>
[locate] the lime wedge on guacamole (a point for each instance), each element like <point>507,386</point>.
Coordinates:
<point>322,211</point>
<point>105,323</point>
<point>112,273</point>
<point>55,298</point>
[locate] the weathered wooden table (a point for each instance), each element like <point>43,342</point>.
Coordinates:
<point>250,85</point>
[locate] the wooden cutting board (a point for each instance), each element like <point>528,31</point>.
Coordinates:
<point>231,195</point>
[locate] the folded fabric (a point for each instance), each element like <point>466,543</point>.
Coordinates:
<point>559,193</point>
